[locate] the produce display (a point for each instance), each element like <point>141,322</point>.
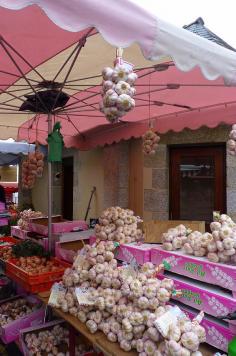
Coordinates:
<point>117,224</point>
<point>217,246</point>
<point>28,248</point>
<point>53,341</point>
<point>32,167</point>
<point>118,91</point>
<point>6,253</point>
<point>25,216</point>
<point>25,248</point>
<point>35,265</point>
<point>124,303</point>
<point>15,309</point>
<point>150,142</point>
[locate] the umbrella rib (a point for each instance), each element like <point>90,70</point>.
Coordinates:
<point>65,63</point>
<point>80,107</point>
<point>71,122</point>
<point>23,75</point>
<point>20,55</point>
<point>79,47</point>
<point>16,76</point>
<point>79,115</point>
<point>155,102</point>
<point>69,105</point>
<point>85,78</point>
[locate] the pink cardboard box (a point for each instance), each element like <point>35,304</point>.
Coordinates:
<point>223,275</point>
<point>3,221</point>
<point>18,232</point>
<point>68,250</point>
<point>218,334</point>
<point>40,225</point>
<point>92,240</point>
<point>210,299</point>
<point>142,253</point>
<point>10,332</point>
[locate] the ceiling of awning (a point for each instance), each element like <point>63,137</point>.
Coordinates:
<point>192,103</point>
<point>208,103</point>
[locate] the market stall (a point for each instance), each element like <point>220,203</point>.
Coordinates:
<point>131,304</point>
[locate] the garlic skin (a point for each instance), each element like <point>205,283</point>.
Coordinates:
<point>190,340</point>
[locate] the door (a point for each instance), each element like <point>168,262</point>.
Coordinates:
<point>197,182</point>
<point>68,183</point>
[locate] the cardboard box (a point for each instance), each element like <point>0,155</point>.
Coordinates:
<point>154,229</point>
<point>219,274</point>
<point>11,331</point>
<point>40,225</point>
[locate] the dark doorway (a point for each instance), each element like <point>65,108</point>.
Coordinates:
<point>68,184</point>
<point>197,182</point>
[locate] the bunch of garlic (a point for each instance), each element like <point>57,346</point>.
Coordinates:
<point>150,142</point>
<point>25,217</point>
<point>117,224</point>
<point>223,246</point>
<point>184,338</point>
<point>231,143</point>
<point>197,243</point>
<point>118,91</point>
<point>175,238</point>
<point>32,167</point>
<point>47,341</point>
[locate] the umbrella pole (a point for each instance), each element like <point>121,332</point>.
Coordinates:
<point>50,242</point>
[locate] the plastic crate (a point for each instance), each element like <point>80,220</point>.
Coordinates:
<point>36,288</point>
<point>40,278</point>
<point>8,241</point>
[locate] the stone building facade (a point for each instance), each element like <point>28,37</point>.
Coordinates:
<point>110,170</point>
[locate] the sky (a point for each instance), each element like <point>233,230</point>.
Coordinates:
<point>219,16</point>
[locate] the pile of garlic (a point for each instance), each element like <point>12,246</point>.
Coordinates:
<point>117,224</point>
<point>175,238</point>
<point>150,142</point>
<point>184,337</point>
<point>217,246</point>
<point>118,91</point>
<point>231,143</point>
<point>52,341</point>
<point>223,246</point>
<point>25,217</point>
<point>121,302</point>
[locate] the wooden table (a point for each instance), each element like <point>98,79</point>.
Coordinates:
<point>100,340</point>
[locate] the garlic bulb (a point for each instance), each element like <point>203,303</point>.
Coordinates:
<point>117,90</point>
<point>231,143</point>
<point>150,142</point>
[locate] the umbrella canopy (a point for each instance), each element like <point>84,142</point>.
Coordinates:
<point>47,41</point>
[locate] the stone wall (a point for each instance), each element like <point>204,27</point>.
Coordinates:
<point>116,174</point>
<point>156,170</point>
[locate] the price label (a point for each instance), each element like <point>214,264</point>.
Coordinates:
<point>83,296</point>
<point>128,271</point>
<point>56,290</point>
<point>164,321</point>
<point>80,259</point>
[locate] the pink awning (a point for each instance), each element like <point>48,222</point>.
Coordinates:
<point>43,31</point>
